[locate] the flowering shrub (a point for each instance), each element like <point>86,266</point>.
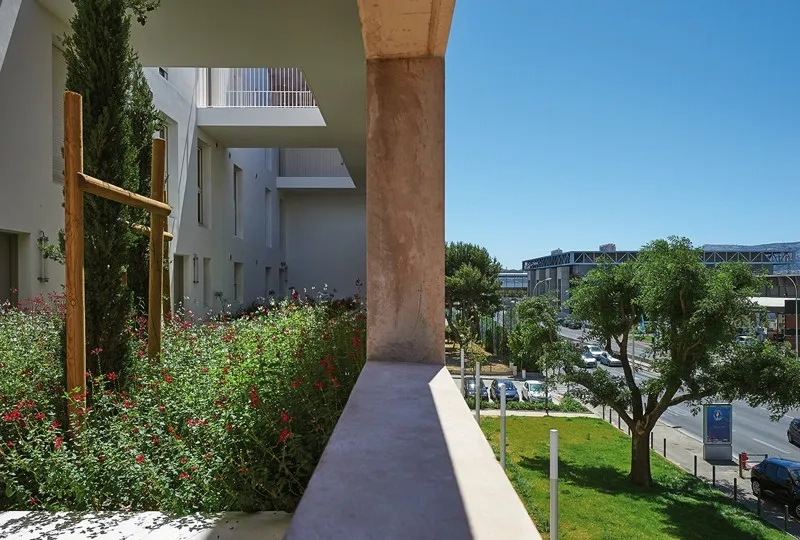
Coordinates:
<point>234,415</point>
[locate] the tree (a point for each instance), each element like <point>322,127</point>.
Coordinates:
<point>101,67</point>
<point>471,288</point>
<point>535,342</point>
<point>696,310</point>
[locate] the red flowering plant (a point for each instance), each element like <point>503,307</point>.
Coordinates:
<point>234,415</point>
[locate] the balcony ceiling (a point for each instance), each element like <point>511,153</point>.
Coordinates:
<point>322,37</point>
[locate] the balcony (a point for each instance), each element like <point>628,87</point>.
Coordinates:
<point>257,107</point>
<point>312,168</point>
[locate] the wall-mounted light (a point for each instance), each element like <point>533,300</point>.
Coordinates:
<point>195,271</point>
<point>41,242</point>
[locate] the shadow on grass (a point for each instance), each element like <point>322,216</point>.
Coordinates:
<point>689,508</point>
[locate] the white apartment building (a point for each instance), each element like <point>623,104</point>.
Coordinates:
<point>262,198</point>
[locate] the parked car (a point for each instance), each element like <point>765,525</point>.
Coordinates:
<point>573,324</point>
<point>745,340</point>
<point>469,390</point>
<point>588,360</point>
<point>608,360</point>
<point>780,479</point>
<point>596,351</point>
<point>793,433</point>
<point>534,391</point>
<point>511,391</point>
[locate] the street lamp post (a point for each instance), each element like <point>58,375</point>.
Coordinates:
<point>796,344</point>
<point>533,293</point>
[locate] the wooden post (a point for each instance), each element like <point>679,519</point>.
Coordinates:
<point>156,252</point>
<point>167,290</point>
<point>73,247</point>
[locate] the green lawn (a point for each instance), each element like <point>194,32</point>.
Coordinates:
<point>596,501</point>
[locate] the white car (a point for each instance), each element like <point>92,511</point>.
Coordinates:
<point>588,360</point>
<point>610,361</point>
<point>596,351</point>
<point>534,391</point>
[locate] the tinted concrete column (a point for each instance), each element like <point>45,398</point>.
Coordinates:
<point>405,210</point>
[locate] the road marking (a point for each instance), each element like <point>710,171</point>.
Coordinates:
<point>759,441</point>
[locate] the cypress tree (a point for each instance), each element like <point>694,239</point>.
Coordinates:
<point>102,68</point>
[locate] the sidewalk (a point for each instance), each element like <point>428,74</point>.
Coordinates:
<point>535,414</point>
<point>681,449</point>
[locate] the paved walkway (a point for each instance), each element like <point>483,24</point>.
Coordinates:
<point>141,525</point>
<point>535,414</point>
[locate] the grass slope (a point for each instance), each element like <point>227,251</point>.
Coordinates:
<point>597,502</point>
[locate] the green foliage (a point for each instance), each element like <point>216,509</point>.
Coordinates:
<point>567,404</point>
<point>472,288</point>
<point>233,416</point>
<point>117,124</point>
<point>696,310</point>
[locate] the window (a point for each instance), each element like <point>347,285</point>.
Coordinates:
<point>59,68</point>
<point>268,282</point>
<point>178,277</point>
<point>238,278</point>
<point>201,180</point>
<point>782,475</point>
<point>163,72</point>
<point>282,225</point>
<point>268,216</point>
<point>206,282</point>
<point>163,133</point>
<point>238,221</point>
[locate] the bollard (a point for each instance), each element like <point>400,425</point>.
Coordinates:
<point>478,393</point>
<point>618,423</point>
<point>502,388</point>
<point>758,504</point>
<point>665,447</point>
<point>786,517</point>
<point>714,475</point>
<point>604,412</point>
<point>695,466</point>
<point>629,431</point>
<point>463,374</point>
<point>652,438</point>
<point>554,484</point>
<point>735,490</point>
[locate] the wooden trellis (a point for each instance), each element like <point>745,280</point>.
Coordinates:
<point>76,183</point>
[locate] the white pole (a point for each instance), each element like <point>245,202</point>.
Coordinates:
<point>463,379</point>
<point>502,388</point>
<point>553,484</point>
<point>478,392</point>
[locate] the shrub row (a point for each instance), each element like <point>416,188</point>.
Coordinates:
<point>567,404</point>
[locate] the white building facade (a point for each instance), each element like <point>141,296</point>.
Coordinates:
<point>252,216</point>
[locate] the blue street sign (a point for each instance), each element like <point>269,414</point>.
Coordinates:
<point>717,424</point>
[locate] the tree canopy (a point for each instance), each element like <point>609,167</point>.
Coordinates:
<point>472,288</point>
<point>697,311</point>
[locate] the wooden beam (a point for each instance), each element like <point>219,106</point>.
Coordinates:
<point>123,196</point>
<point>73,248</point>
<point>156,250</point>
<point>144,230</point>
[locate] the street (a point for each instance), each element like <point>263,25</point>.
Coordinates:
<point>640,349</point>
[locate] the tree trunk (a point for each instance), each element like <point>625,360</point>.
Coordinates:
<point>640,456</point>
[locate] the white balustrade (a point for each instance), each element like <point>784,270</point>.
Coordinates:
<point>253,87</point>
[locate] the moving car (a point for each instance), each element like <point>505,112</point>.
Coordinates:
<point>588,360</point>
<point>534,391</point>
<point>511,391</point>
<point>596,351</point>
<point>780,479</point>
<point>469,390</point>
<point>608,360</point>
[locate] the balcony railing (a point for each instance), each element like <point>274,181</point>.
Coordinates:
<point>253,87</point>
<point>312,162</point>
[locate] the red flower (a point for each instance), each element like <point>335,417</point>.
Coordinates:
<point>183,476</point>
<point>355,342</point>
<point>32,502</point>
<point>183,460</point>
<point>296,382</point>
<point>229,427</point>
<point>101,458</point>
<point>254,399</point>
<point>161,408</point>
<point>58,442</point>
<point>111,376</point>
<point>285,434</point>
<point>168,379</point>
<point>39,415</point>
<point>318,384</point>
<point>335,382</point>
<point>155,440</point>
<point>136,430</point>
<point>10,444</point>
<point>285,418</point>
<point>207,456</point>
<point>140,458</point>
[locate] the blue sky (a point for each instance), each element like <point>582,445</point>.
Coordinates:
<point>575,123</point>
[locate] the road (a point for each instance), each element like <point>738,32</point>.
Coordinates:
<point>753,431</point>
<point>641,349</point>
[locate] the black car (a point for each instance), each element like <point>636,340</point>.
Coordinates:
<point>512,394</point>
<point>779,478</point>
<point>793,433</point>
<point>469,390</point>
